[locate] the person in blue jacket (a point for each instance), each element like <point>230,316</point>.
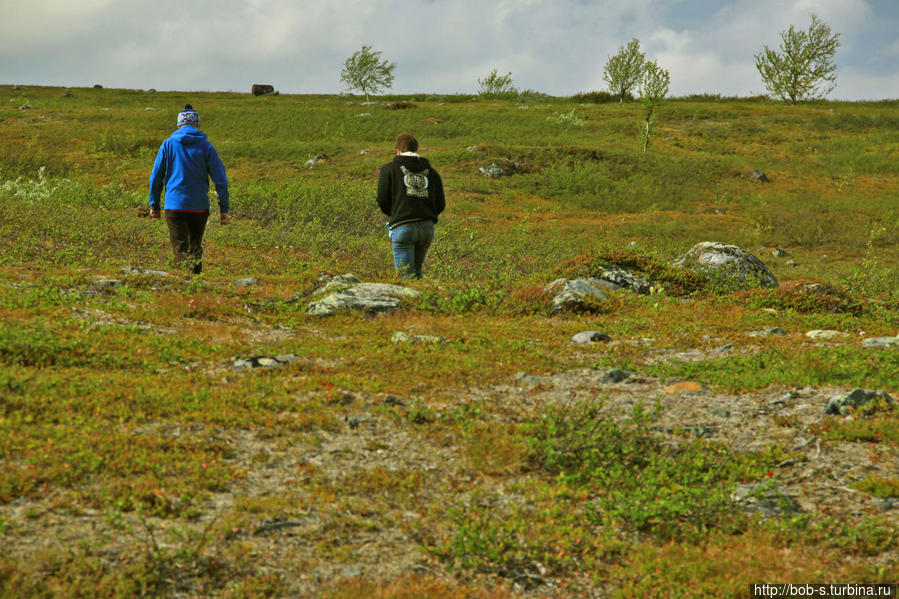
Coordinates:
<point>184,164</point>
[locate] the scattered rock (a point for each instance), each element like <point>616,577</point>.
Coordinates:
<point>577,295</point>
<point>759,176</point>
<point>67,93</point>
<point>615,376</point>
<point>363,152</point>
<point>527,378</point>
<point>825,334</point>
<point>723,349</point>
<point>504,168</point>
<point>767,498</point>
<point>315,160</point>
<point>355,421</point>
<point>619,278</point>
<point>103,284</point>
<point>881,342</point>
<point>729,265</point>
<point>590,337</point>
<point>779,253</point>
<point>247,282</point>
<point>840,405</point>
<point>348,293</point>
<point>886,504</point>
<point>473,149</point>
<point>261,89</point>
<point>26,106</point>
<point>263,361</point>
<point>399,105</point>
<point>144,271</point>
<point>276,525</point>
<point>766,332</point>
<point>404,337</point>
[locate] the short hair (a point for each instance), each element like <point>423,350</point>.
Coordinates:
<point>406,143</point>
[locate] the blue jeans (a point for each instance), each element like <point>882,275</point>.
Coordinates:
<point>410,244</point>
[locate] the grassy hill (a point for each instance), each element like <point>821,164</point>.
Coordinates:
<point>138,461</point>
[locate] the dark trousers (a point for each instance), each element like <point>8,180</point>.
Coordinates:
<point>186,234</point>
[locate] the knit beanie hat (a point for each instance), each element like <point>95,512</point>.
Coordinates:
<point>188,116</point>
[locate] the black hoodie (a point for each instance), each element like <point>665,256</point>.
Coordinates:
<point>409,189</point>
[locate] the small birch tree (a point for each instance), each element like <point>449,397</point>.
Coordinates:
<point>624,71</point>
<point>495,84</point>
<point>804,68</point>
<point>366,72</point>
<point>653,90</point>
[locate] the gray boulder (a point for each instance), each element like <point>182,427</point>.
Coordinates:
<point>618,278</point>
<point>729,265</point>
<point>590,337</point>
<point>577,295</point>
<point>347,292</point>
<point>840,405</point>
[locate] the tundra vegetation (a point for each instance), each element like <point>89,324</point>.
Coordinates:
<point>144,453</point>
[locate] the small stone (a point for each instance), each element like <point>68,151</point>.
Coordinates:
<point>759,176</point>
<point>590,337</point>
<point>473,149</point>
<point>106,283</point>
<point>614,376</point>
<point>768,331</point>
<point>881,342</point>
<point>723,349</point>
<point>824,334</point>
<point>355,421</point>
<point>404,337</point>
<point>286,358</point>
<point>267,362</point>
<point>315,160</point>
<point>886,504</point>
<point>401,337</point>
<point>247,282</point>
<point>779,253</point>
<point>144,271</point>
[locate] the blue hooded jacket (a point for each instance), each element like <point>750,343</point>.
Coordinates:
<point>184,164</point>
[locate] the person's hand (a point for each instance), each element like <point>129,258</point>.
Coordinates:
<point>225,218</point>
<point>154,213</point>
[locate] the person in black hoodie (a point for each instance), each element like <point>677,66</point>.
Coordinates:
<point>410,192</point>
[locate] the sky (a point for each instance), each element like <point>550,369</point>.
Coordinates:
<point>557,47</point>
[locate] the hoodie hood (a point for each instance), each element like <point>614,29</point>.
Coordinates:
<point>189,136</point>
<point>415,164</point>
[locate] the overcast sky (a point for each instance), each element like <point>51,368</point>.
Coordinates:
<point>557,47</point>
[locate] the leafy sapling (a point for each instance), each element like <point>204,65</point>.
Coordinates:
<point>654,89</point>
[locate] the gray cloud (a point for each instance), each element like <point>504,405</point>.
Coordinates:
<point>440,46</point>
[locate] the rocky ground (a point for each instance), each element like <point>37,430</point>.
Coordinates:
<point>319,543</point>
